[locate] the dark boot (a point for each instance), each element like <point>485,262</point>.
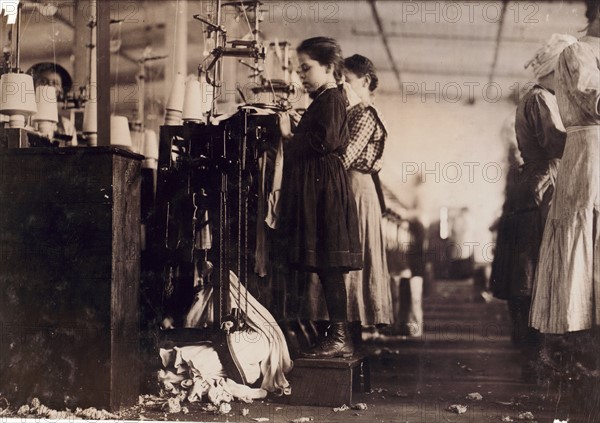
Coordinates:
<point>338,343</point>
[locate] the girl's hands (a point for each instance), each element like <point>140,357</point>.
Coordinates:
<point>353,98</point>
<point>294,117</point>
<point>285,126</point>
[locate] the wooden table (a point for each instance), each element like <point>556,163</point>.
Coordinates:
<point>69,276</point>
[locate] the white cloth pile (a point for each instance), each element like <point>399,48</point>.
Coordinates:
<point>194,372</point>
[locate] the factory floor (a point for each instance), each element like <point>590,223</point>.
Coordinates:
<point>465,349</point>
<point>463,369</point>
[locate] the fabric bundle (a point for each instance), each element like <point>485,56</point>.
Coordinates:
<point>259,350</point>
<point>195,372</point>
<point>545,59</point>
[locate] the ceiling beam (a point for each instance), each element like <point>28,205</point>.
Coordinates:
<point>498,40</point>
<point>128,57</point>
<point>128,73</point>
<point>385,42</point>
<point>445,37</point>
<point>455,72</point>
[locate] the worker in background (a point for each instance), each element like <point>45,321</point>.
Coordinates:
<point>54,75</point>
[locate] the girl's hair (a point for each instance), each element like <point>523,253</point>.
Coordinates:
<point>593,7</point>
<point>362,66</point>
<point>326,51</point>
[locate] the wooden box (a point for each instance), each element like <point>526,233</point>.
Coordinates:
<point>69,276</point>
<point>328,382</point>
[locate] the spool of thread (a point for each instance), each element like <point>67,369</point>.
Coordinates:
<point>174,107</point>
<point>150,150</point>
<point>90,118</point>
<point>137,139</point>
<point>192,102</point>
<point>119,132</point>
<point>47,110</point>
<point>18,98</point>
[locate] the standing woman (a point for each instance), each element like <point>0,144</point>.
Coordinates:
<point>566,294</point>
<point>318,218</point>
<point>369,293</point>
<point>541,140</point>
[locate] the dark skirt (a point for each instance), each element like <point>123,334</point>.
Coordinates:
<point>517,251</point>
<point>319,218</point>
<point>521,229</point>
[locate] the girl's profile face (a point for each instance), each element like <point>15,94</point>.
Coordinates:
<point>312,73</point>
<point>357,84</point>
<point>360,85</point>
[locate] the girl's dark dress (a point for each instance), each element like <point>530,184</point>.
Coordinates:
<point>541,138</point>
<point>319,217</point>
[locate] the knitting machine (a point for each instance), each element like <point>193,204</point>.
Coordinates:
<point>206,202</point>
<point>212,178</point>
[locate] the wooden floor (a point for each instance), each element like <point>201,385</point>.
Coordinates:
<point>465,349</point>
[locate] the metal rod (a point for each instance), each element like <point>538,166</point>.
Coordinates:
<point>91,46</point>
<point>18,38</point>
<point>385,42</point>
<point>219,4</point>
<point>205,21</point>
<point>141,99</point>
<point>241,3</point>
<point>256,31</point>
<point>239,52</point>
<point>142,88</point>
<point>256,22</point>
<point>218,70</point>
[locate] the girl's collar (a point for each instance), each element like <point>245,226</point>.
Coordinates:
<point>328,85</point>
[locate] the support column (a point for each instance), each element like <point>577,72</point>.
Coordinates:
<point>103,69</point>
<point>81,39</point>
<point>176,30</point>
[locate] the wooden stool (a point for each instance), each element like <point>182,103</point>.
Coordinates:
<point>329,381</point>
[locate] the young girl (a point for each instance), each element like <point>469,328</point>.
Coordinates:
<point>319,219</point>
<point>369,293</point>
